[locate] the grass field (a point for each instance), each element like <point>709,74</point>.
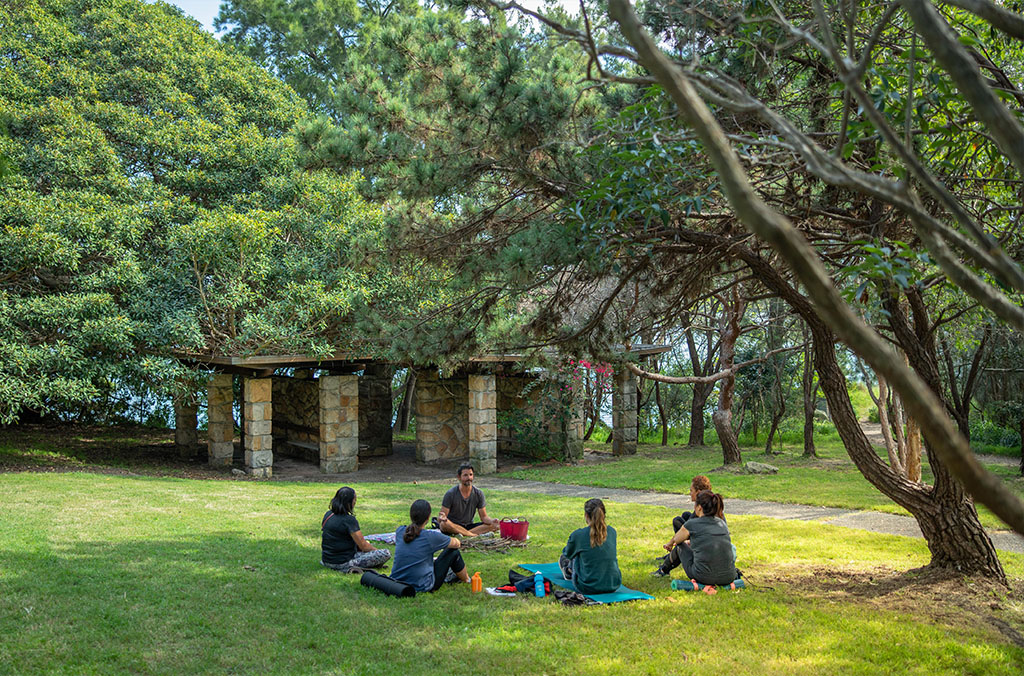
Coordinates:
<point>832,480</point>
<point>128,574</point>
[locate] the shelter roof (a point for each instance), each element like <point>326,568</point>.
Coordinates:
<point>354,361</point>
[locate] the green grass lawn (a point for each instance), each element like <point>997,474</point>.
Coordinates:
<point>126,574</point>
<point>831,481</point>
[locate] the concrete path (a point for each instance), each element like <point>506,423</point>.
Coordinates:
<point>875,522</point>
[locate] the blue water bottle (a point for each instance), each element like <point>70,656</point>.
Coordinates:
<point>538,584</point>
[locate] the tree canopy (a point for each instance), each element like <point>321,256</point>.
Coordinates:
<point>158,203</point>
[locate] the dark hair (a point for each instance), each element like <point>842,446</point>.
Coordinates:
<point>419,512</point>
<point>711,504</point>
<point>463,468</point>
<point>700,483</point>
<point>594,509</point>
<point>342,502</point>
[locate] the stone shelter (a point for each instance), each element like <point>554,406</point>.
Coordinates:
<point>334,411</point>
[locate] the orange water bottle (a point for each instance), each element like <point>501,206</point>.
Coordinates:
<point>477,584</point>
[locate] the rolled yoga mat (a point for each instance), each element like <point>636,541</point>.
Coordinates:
<point>387,585</point>
<point>693,585</point>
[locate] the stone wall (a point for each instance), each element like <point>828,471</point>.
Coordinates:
<point>441,406</point>
<point>297,416</point>
<point>375,410</point>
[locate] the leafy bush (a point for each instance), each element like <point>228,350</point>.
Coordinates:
<point>986,432</point>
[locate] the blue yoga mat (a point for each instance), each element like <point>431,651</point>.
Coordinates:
<point>553,573</point>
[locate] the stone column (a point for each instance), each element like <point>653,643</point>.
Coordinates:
<point>624,412</point>
<point>441,407</point>
<point>259,439</point>
<point>185,422</point>
<point>483,424</point>
<point>375,410</point>
<point>574,427</point>
<point>339,424</point>
<point>220,420</point>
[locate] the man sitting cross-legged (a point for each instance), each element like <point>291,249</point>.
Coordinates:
<point>459,506</point>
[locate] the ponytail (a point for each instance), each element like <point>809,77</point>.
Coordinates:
<point>594,511</point>
<point>711,504</point>
<point>419,512</point>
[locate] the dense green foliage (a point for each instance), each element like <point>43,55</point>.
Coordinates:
<point>158,204</point>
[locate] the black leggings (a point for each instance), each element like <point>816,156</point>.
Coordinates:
<point>680,554</point>
<point>678,522</point>
<point>450,559</point>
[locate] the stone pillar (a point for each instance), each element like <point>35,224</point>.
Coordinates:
<point>220,420</point>
<point>483,424</point>
<point>259,439</point>
<point>574,427</point>
<point>185,422</point>
<point>375,410</point>
<point>441,407</point>
<point>339,424</point>
<point>624,412</point>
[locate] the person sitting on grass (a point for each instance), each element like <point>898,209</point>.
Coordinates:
<point>414,553</point>
<point>699,483</point>
<point>589,558</point>
<point>460,504</point>
<point>702,545</point>
<point>342,545</point>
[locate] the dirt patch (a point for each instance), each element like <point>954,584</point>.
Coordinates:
<point>942,598</point>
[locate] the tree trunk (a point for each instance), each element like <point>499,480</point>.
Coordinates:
<point>899,426</point>
<point>1021,430</point>
<point>594,403</point>
<point>405,409</point>
<point>776,419</point>
<point>913,450</point>
<point>883,417</point>
<point>701,393</point>
<point>722,418</point>
<point>662,414</point>
<point>961,394</point>
<point>810,389</point>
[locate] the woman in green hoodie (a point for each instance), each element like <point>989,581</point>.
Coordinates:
<point>589,558</point>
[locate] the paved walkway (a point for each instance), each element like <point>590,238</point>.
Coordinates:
<point>875,522</point>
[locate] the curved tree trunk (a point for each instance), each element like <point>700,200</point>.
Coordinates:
<point>945,513</point>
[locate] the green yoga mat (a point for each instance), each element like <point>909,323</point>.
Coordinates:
<point>553,574</point>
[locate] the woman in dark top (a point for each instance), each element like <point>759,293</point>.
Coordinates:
<point>414,553</point>
<point>589,558</point>
<point>702,545</point>
<point>699,483</point>
<point>342,545</point>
